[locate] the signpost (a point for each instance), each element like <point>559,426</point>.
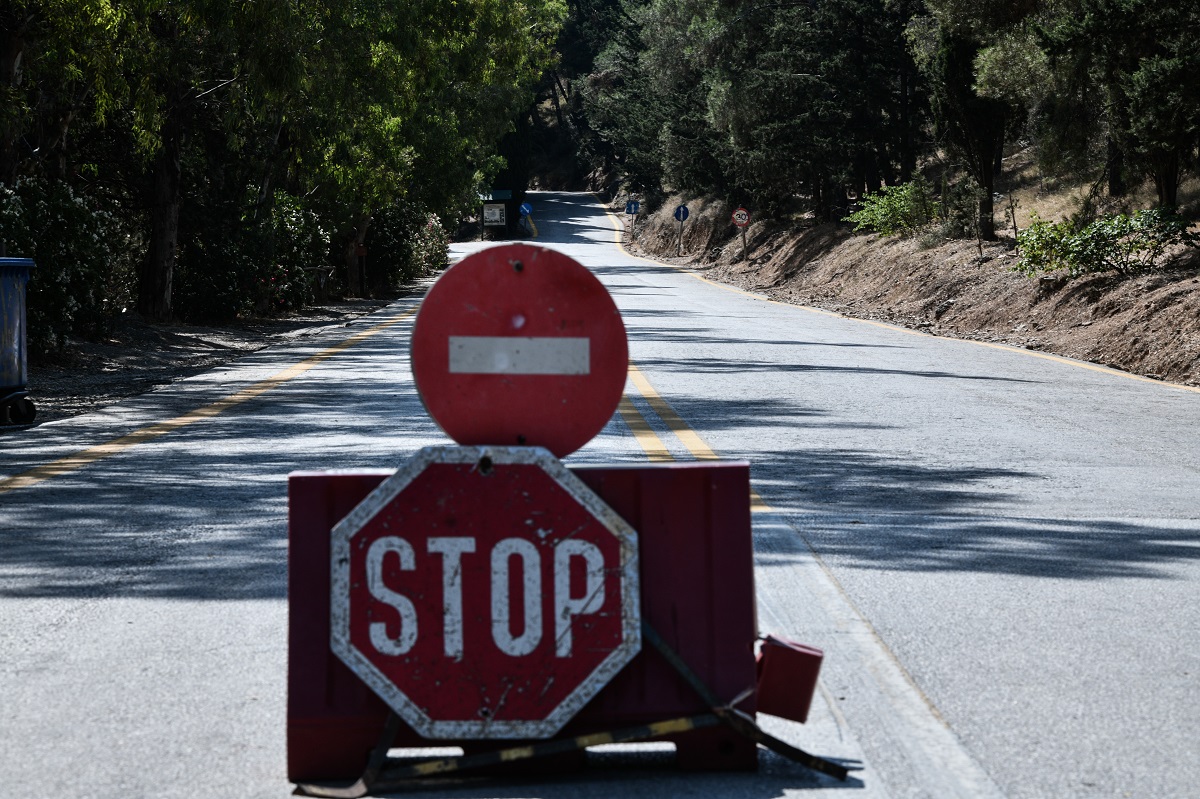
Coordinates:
<point>493,215</point>
<point>526,220</point>
<point>741,218</point>
<point>631,210</point>
<point>681,214</point>
<point>484,593</point>
<point>520,345</point>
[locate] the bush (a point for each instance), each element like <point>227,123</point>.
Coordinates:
<point>84,257</point>
<point>902,210</point>
<point>1121,243</point>
<point>248,267</point>
<point>406,243</point>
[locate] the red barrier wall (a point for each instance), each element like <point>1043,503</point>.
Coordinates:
<point>697,581</point>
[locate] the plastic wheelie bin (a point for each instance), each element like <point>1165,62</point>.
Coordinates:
<point>15,405</point>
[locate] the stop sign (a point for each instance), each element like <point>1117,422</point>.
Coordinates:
<point>520,345</point>
<point>484,593</point>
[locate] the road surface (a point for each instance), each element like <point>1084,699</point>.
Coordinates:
<point>997,549</point>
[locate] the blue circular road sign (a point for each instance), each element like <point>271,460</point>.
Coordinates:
<point>681,213</point>
<point>526,209</point>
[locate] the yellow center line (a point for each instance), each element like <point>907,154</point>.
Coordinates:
<point>686,435</point>
<point>650,442</point>
<point>78,460</point>
<point>645,436</point>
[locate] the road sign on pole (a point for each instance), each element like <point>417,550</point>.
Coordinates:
<point>520,345</point>
<point>741,218</point>
<point>681,214</point>
<point>484,593</point>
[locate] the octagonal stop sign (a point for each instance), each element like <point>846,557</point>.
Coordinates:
<point>484,593</point>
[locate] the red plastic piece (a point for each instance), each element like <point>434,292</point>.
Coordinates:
<point>787,677</point>
<point>697,578</point>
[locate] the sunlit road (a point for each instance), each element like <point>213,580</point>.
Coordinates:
<point>997,550</point>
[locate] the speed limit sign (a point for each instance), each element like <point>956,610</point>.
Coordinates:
<point>741,217</point>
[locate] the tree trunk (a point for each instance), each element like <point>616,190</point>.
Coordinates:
<point>158,269</point>
<point>356,284</point>
<point>987,218</point>
<point>908,155</point>
<point>1115,169</point>
<point>562,125</point>
<point>1166,177</point>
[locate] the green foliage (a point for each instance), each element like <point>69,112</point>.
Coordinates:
<point>176,107</point>
<point>83,257</point>
<point>248,266</point>
<point>896,210</point>
<point>958,217</point>
<point>1121,243</point>
<point>406,243</point>
<point>764,103</point>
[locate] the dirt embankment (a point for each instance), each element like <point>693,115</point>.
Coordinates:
<point>1148,324</point>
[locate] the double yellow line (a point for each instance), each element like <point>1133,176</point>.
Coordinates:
<point>78,460</point>
<point>652,444</point>
<point>649,440</point>
<point>645,435</point>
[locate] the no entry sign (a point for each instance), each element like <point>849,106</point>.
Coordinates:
<point>484,593</point>
<point>520,345</point>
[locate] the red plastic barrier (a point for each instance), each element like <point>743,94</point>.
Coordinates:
<point>787,678</point>
<point>697,581</point>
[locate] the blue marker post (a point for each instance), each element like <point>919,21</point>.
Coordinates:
<point>681,214</point>
<point>526,220</point>
<point>631,209</point>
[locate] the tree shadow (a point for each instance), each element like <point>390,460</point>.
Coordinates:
<point>874,512</point>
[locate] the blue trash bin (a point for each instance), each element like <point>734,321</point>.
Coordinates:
<point>15,405</point>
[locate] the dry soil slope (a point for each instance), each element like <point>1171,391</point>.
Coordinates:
<point>1148,324</point>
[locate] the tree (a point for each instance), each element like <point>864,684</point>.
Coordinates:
<point>1144,57</point>
<point>967,122</point>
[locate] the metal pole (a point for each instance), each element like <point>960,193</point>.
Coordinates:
<point>743,242</point>
<point>679,251</point>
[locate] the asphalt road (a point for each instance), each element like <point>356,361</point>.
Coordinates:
<point>997,550</point>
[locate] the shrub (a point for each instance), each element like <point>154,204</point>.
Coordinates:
<point>84,260</point>
<point>1121,243</point>
<point>406,243</point>
<point>902,210</point>
<point>251,267</point>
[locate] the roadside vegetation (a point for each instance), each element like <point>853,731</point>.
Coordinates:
<point>198,160</point>
<point>896,116</point>
<point>201,160</point>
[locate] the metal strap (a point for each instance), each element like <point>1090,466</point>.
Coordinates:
<point>740,722</point>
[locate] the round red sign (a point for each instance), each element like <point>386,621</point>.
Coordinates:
<point>741,217</point>
<point>520,345</point>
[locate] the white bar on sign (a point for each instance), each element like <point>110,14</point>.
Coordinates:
<point>510,355</point>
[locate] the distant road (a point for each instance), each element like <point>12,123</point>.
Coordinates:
<point>998,550</point>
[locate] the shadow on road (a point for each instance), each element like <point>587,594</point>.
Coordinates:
<point>876,513</point>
